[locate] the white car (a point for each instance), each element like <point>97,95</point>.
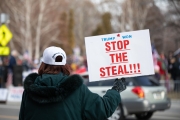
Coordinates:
<point>143,96</point>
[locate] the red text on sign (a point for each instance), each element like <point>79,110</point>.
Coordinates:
<point>116,45</point>
<point>126,69</point>
<point>118,57</point>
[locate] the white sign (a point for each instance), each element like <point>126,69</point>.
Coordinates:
<point>3,94</point>
<point>15,94</point>
<point>119,55</point>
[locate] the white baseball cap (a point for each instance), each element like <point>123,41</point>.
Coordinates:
<point>50,54</point>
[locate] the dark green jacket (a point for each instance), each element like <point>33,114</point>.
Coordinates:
<point>59,97</point>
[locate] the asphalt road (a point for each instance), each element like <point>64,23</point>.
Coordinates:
<point>10,112</point>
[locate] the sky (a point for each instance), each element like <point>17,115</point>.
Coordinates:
<point>162,4</point>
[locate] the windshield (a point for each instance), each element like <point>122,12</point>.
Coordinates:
<point>142,81</point>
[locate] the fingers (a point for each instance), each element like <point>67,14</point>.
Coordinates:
<point>123,79</point>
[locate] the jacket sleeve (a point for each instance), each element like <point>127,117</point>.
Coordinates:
<point>22,107</point>
<point>96,107</point>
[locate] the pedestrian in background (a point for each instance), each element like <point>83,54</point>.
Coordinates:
<point>55,94</point>
<point>163,66</point>
<point>1,73</point>
<point>12,60</point>
<point>4,71</point>
<point>163,69</point>
<point>177,76</point>
<point>11,65</point>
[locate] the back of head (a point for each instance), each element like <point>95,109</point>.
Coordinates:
<point>14,53</point>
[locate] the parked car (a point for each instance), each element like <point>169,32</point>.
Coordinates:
<point>144,96</point>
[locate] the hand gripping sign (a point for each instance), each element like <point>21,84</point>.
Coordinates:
<point>117,55</point>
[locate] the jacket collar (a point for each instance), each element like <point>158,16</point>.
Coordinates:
<point>44,93</point>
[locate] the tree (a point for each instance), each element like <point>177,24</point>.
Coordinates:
<point>105,26</point>
<point>86,18</point>
<point>134,14</point>
<point>71,41</point>
<point>155,23</point>
<point>35,24</point>
<point>127,15</point>
<point>63,36</point>
<point>172,25</point>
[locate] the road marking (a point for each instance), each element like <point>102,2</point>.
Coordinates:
<point>9,117</point>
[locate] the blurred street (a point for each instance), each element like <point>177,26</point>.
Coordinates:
<point>11,111</point>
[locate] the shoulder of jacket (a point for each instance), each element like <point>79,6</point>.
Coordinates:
<point>30,80</point>
<point>74,81</point>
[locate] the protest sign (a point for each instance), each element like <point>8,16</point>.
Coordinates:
<point>117,55</point>
<point>15,94</point>
<point>3,94</point>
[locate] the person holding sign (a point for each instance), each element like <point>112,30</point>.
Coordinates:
<point>55,94</point>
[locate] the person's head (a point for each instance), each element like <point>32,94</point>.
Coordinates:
<point>54,62</point>
<point>14,53</point>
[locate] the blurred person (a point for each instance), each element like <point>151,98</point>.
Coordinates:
<point>174,72</point>
<point>85,63</point>
<point>177,62</point>
<point>1,73</point>
<point>162,63</point>
<point>11,65</point>
<point>163,69</point>
<point>55,94</point>
<point>172,67</point>
<point>35,63</point>
<point>4,71</point>
<point>73,67</point>
<point>12,60</point>
<point>156,67</point>
<point>177,73</point>
<point>1,61</point>
<point>27,63</point>
<point>156,70</point>
<point>170,57</point>
<point>155,56</point>
<point>26,66</point>
<point>18,71</point>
